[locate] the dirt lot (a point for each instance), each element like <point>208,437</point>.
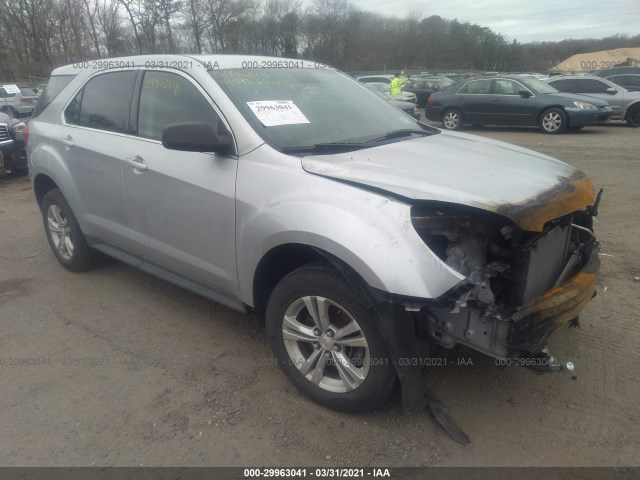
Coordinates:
<point>134,371</point>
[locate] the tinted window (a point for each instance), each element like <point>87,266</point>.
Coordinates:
<point>505,87</point>
<point>626,80</point>
<point>477,87</point>
<point>169,98</point>
<point>417,85</point>
<point>103,103</point>
<point>51,91</point>
<point>564,86</point>
<point>588,85</point>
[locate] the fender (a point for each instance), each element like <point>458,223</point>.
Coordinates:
<point>369,232</point>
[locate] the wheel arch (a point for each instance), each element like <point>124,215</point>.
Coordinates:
<point>42,184</point>
<point>548,107</point>
<point>629,107</point>
<point>278,262</point>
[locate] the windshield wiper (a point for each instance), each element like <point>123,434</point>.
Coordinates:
<point>403,132</point>
<point>325,147</point>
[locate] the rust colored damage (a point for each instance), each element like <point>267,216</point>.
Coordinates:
<point>569,195</point>
<point>556,307</point>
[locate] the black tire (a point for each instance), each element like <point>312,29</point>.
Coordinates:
<point>553,121</point>
<point>75,254</point>
<point>452,119</point>
<point>343,305</point>
<point>633,116</point>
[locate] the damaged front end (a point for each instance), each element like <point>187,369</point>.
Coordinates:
<point>520,286</point>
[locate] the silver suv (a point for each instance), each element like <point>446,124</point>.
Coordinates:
<point>286,188</point>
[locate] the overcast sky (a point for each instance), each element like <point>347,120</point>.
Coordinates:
<point>526,20</point>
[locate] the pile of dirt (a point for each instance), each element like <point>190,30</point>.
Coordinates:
<point>585,62</point>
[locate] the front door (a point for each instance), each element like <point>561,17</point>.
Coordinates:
<point>181,204</point>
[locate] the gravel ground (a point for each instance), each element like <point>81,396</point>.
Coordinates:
<point>124,369</point>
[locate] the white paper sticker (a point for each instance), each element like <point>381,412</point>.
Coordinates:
<point>11,88</point>
<point>277,112</point>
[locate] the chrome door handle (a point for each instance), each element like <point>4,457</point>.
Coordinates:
<point>496,99</point>
<point>68,141</point>
<point>136,162</point>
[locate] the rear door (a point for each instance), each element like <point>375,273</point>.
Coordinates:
<point>181,204</point>
<point>474,99</point>
<point>92,141</point>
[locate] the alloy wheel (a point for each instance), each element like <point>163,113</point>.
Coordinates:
<point>326,344</point>
<point>60,231</point>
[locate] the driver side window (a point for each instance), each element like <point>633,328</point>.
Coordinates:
<point>168,98</point>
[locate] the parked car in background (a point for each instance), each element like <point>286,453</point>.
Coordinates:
<point>13,158</point>
<point>628,81</point>
<point>621,70</point>
<point>408,107</point>
<point>424,87</point>
<point>17,102</point>
<point>402,96</point>
<point>505,100</point>
<point>625,105</point>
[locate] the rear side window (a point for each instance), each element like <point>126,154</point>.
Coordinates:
<point>51,91</point>
<point>476,87</point>
<point>566,86</point>
<point>103,103</point>
<point>591,86</point>
<point>169,98</point>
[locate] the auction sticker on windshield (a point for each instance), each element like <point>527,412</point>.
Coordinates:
<point>277,112</point>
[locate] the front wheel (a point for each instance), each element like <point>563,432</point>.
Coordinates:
<point>64,234</point>
<point>553,121</point>
<point>452,119</point>
<point>633,116</point>
<point>327,342</point>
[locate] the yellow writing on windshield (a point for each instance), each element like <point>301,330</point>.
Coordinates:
<point>157,81</point>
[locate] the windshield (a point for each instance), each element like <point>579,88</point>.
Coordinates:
<point>307,107</point>
<point>537,86</point>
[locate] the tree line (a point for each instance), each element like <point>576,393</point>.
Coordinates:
<point>39,35</point>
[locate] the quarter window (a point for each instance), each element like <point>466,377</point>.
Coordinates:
<point>103,103</point>
<point>168,98</point>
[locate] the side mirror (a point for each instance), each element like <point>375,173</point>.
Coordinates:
<point>525,93</point>
<point>195,137</point>
<point>612,90</point>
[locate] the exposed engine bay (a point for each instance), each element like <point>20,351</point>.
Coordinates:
<point>520,286</point>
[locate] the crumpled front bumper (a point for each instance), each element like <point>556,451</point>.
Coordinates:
<point>533,323</point>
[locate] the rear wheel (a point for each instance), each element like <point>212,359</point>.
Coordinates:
<point>452,119</point>
<point>64,234</point>
<point>633,116</point>
<point>553,121</point>
<point>327,342</point>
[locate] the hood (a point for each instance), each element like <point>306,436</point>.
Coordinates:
<point>525,186</point>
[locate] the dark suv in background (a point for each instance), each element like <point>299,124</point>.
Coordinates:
<point>13,158</point>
